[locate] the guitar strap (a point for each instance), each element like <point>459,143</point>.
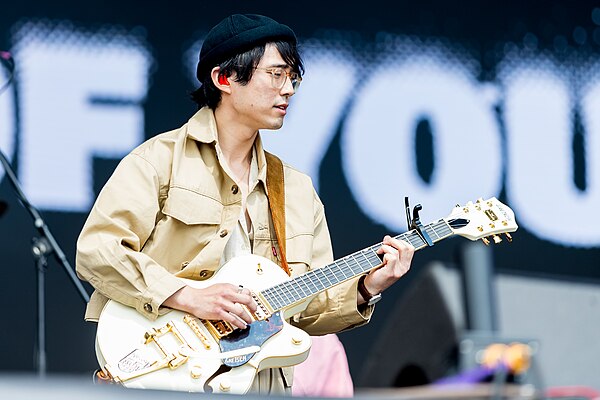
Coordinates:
<point>276,195</point>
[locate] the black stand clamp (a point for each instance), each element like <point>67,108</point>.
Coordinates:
<point>415,222</point>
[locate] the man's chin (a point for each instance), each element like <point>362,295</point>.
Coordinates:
<point>276,125</point>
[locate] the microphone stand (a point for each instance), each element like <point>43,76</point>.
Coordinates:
<point>41,247</point>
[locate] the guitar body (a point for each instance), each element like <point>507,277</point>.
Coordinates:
<point>200,362</point>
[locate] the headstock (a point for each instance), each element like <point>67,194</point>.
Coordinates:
<point>484,219</point>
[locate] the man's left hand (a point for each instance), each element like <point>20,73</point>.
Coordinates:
<point>397,257</point>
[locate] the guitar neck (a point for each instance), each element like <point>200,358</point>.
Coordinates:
<point>319,280</point>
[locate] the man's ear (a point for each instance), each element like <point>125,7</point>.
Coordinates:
<point>220,80</point>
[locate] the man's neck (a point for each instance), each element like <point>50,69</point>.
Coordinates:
<point>235,141</point>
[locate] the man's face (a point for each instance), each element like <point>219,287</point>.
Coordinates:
<point>258,104</point>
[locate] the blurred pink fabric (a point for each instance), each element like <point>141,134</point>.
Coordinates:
<point>325,372</point>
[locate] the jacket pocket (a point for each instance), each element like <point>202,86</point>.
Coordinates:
<point>192,208</point>
<point>189,221</point>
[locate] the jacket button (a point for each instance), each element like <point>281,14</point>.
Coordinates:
<point>235,189</point>
<point>148,307</point>
<point>205,273</point>
<point>223,233</point>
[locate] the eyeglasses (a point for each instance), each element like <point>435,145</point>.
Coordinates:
<point>279,76</point>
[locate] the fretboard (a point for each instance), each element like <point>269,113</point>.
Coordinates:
<point>313,282</point>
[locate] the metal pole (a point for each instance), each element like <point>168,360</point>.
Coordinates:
<point>478,279</point>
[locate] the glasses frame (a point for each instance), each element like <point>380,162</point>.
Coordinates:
<point>288,75</point>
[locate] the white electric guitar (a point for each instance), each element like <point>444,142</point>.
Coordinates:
<point>181,352</point>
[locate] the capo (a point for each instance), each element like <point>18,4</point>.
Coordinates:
<point>415,222</point>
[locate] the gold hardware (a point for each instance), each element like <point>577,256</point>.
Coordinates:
<point>170,360</point>
<point>505,223</point>
<point>196,371</point>
<point>508,237</point>
<point>225,385</point>
<point>259,269</point>
<point>492,225</point>
<point>491,215</point>
<point>296,340</point>
<point>155,366</point>
<point>152,336</point>
<point>497,239</point>
<point>193,324</point>
<point>263,308</point>
<point>486,241</point>
<point>489,203</point>
<point>218,329</point>
<point>477,207</point>
<point>480,228</point>
<point>465,210</point>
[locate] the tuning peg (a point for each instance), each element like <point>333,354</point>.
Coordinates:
<point>497,239</point>
<point>508,237</point>
<point>486,241</point>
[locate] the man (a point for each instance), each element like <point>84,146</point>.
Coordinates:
<point>187,201</point>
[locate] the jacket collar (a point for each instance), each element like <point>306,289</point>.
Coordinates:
<point>202,127</point>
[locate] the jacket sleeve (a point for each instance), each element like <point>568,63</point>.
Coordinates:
<point>336,309</point>
<point>109,247</point>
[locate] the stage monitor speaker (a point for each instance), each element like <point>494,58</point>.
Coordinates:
<point>420,342</point>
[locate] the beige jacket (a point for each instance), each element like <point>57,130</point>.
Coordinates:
<point>168,211</point>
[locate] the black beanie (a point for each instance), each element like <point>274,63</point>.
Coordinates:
<point>236,34</point>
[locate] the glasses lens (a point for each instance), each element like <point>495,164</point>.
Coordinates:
<point>279,76</point>
<point>296,80</point>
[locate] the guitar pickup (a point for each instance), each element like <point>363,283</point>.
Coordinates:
<point>218,329</point>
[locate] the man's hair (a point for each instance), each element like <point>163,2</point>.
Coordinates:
<point>243,65</point>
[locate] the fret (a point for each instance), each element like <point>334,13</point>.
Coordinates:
<point>273,300</point>
<point>334,273</point>
<point>285,298</point>
<point>342,273</point>
<point>343,270</point>
<point>278,296</point>
<point>431,228</point>
<point>310,282</point>
<point>294,287</point>
<point>373,260</point>
<point>357,258</point>
<point>321,277</point>
<point>283,292</point>
<point>329,275</point>
<point>301,281</point>
<point>352,264</point>
<point>415,239</point>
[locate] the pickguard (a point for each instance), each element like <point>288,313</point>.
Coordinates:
<point>256,334</point>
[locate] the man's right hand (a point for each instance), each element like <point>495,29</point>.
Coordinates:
<point>221,301</point>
